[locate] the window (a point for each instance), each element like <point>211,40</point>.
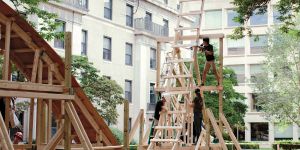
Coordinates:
<point>107,48</point>
<point>255,106</point>
<point>259,19</point>
<point>84,3</point>
<point>60,43</point>
<point>148,21</point>
<point>231,14</point>
<point>129,15</point>
<point>84,43</point>
<point>283,132</point>
<point>152,58</point>
<point>276,14</point>
<point>257,46</point>
<point>166,27</point>
<point>108,9</point>
<point>255,70</point>
<point>240,72</point>
<point>129,124</point>
<point>152,94</point>
<point>128,90</point>
<point>235,47</point>
<point>213,19</point>
<point>166,2</point>
<point>259,131</point>
<point>128,54</point>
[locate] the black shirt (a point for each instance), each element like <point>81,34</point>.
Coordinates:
<point>210,49</point>
<point>198,104</point>
<point>158,108</point>
<point>2,107</point>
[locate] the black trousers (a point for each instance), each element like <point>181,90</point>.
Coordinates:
<point>197,126</point>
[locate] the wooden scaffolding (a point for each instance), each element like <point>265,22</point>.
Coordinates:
<point>50,86</point>
<point>175,80</point>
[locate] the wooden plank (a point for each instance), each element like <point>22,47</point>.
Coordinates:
<point>216,128</point>
<point>221,82</point>
<point>197,147</point>
<point>50,81</point>
<point>23,50</point>
<point>229,130</point>
<point>142,121</point>
<point>145,138</point>
<point>135,126</point>
<point>202,88</point>
<point>55,140</point>
<point>126,120</point>
<point>5,135</point>
<point>39,130</point>
<point>24,36</point>
<point>55,70</point>
<point>22,94</point>
<point>196,66</point>
<point>28,86</point>
<point>158,59</point>
<point>68,61</point>
<point>191,37</point>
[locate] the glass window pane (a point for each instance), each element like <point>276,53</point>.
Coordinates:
<point>236,47</point>
<point>256,69</point>
<point>231,14</point>
<point>259,131</point>
<point>259,19</point>
<point>239,71</point>
<point>258,45</point>
<point>283,132</point>
<point>107,3</point>
<point>152,58</point>
<point>213,19</point>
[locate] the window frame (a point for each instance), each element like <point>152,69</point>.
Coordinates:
<point>235,24</point>
<point>221,18</point>
<point>153,63</point>
<point>105,50</point>
<point>110,9</point>
<point>128,92</point>
<point>242,49</point>
<point>84,43</point>
<point>129,55</point>
<point>152,94</point>
<point>257,15</point>
<point>129,22</point>
<point>60,43</point>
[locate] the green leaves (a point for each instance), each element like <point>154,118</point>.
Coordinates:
<point>105,94</point>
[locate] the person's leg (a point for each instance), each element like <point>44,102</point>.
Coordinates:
<point>206,69</point>
<point>197,127</point>
<point>154,125</point>
<point>215,72</point>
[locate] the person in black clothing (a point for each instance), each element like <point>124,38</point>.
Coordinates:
<point>197,106</point>
<point>2,107</point>
<point>160,106</point>
<point>210,60</point>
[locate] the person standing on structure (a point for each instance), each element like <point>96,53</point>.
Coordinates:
<point>197,106</point>
<point>160,107</point>
<point>210,60</point>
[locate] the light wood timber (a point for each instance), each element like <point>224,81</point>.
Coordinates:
<point>126,120</point>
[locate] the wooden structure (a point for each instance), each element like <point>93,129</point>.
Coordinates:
<point>175,80</point>
<point>51,87</point>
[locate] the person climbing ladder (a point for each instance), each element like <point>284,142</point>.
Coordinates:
<point>197,106</point>
<point>210,60</point>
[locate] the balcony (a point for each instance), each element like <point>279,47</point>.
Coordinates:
<point>77,4</point>
<point>151,106</point>
<point>150,27</point>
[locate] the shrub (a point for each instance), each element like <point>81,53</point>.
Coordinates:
<point>231,146</point>
<point>119,136</point>
<point>286,145</point>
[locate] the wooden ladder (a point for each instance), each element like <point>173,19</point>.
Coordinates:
<point>175,126</point>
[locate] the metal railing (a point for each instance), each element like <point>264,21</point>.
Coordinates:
<point>79,4</point>
<point>150,27</point>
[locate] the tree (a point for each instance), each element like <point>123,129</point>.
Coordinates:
<point>105,94</point>
<point>233,103</point>
<point>47,25</point>
<point>278,87</point>
<point>246,8</point>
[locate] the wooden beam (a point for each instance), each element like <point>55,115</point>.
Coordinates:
<point>158,59</point>
<point>28,86</point>
<point>23,50</point>
<point>49,125</point>
<point>28,40</point>
<point>39,131</point>
<point>221,82</point>
<point>142,121</point>
<point>229,130</point>
<point>55,140</point>
<point>196,66</point>
<point>135,126</point>
<point>5,135</point>
<point>202,88</point>
<point>191,37</point>
<point>126,120</point>
<point>23,94</point>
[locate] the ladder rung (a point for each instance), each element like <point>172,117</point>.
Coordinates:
<point>164,140</point>
<point>176,112</point>
<point>183,45</point>
<point>186,28</point>
<point>177,92</point>
<point>190,13</point>
<point>169,127</point>
<point>180,1</point>
<point>178,76</point>
<point>181,60</point>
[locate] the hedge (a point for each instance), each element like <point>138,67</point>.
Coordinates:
<point>230,146</point>
<point>288,145</point>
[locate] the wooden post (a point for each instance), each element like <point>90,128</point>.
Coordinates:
<point>141,129</point>
<point>39,130</point>
<point>221,83</point>
<point>50,80</point>
<point>196,66</point>
<point>4,134</point>
<point>68,62</point>
<point>126,121</point>
<point>158,59</point>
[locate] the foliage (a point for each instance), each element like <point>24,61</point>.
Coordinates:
<point>286,144</point>
<point>234,107</point>
<point>104,93</point>
<point>119,136</point>
<point>230,146</point>
<point>278,87</point>
<point>47,25</point>
<point>22,106</point>
<point>246,8</point>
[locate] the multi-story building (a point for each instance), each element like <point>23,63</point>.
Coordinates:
<point>245,57</point>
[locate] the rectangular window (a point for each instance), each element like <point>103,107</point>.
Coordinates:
<point>231,14</point>
<point>257,45</point>
<point>283,132</point>
<point>107,48</point>
<point>255,106</point>
<point>128,90</point>
<point>259,19</point>
<point>235,47</point>
<point>152,94</point>
<point>84,3</point>
<point>108,9</point>
<point>255,70</point>
<point>84,42</point>
<point>60,43</point>
<point>148,21</point>
<point>166,27</point>
<point>240,72</point>
<point>152,58</point>
<point>259,131</point>
<point>128,54</point>
<point>213,19</point>
<point>129,15</point>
